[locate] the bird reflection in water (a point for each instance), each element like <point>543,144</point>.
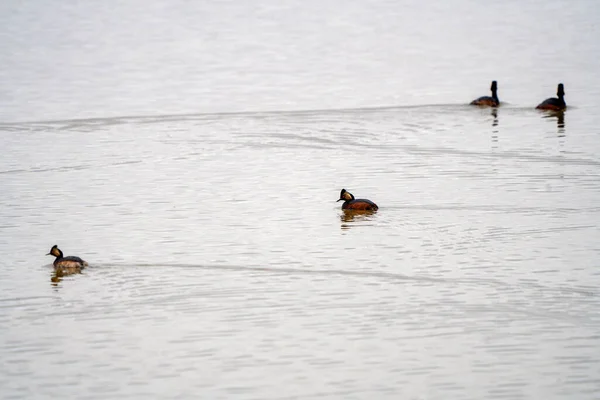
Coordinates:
<point>560,121</point>
<point>59,273</point>
<point>494,114</point>
<point>350,218</point>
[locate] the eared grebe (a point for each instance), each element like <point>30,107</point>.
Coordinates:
<point>487,100</point>
<point>350,203</point>
<point>553,103</point>
<point>70,263</point>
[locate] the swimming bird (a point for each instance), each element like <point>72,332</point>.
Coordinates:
<point>67,263</point>
<point>487,100</point>
<point>553,103</point>
<point>350,203</point>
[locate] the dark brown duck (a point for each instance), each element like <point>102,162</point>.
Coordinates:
<point>555,103</point>
<point>69,263</point>
<point>350,203</point>
<point>488,101</point>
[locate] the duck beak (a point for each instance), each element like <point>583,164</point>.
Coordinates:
<point>48,254</point>
<point>339,200</point>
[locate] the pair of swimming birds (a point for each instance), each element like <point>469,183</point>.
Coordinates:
<point>552,103</point>
<point>73,264</point>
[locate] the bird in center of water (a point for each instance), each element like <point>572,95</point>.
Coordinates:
<point>487,100</point>
<point>555,103</point>
<point>66,263</point>
<point>350,203</point>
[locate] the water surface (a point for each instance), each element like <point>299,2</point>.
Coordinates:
<point>193,153</point>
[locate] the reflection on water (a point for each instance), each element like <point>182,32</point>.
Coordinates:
<point>59,273</point>
<point>560,123</point>
<point>560,120</point>
<point>350,218</point>
<point>494,113</point>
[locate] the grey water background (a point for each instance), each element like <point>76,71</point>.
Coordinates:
<point>192,153</point>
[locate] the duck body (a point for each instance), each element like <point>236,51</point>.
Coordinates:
<point>555,103</point>
<point>489,101</point>
<point>486,101</point>
<point>360,204</point>
<point>68,263</point>
<point>350,203</point>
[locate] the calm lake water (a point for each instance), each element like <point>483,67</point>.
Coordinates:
<point>192,153</point>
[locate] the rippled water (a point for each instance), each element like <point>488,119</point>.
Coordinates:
<point>201,187</point>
